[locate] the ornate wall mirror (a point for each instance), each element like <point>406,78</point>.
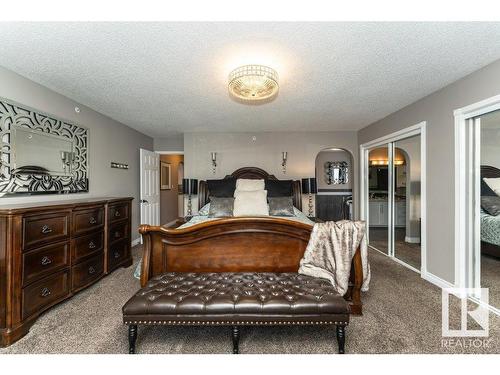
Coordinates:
<point>39,153</point>
<point>336,172</point>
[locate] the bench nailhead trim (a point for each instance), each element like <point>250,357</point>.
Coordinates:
<point>192,322</point>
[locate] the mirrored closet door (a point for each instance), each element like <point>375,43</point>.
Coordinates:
<point>407,214</point>
<point>484,262</point>
<point>393,199</point>
<point>378,198</point>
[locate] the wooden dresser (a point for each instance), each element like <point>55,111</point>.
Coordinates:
<point>48,252</point>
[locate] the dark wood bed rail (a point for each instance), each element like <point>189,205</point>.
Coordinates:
<point>244,244</point>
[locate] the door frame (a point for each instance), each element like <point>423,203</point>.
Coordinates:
<point>467,162</point>
<point>417,129</point>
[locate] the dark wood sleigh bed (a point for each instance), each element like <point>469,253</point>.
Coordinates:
<point>237,244</point>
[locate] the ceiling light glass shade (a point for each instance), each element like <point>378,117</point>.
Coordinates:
<point>253,84</point>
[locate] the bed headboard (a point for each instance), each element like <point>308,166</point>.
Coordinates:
<point>251,173</point>
<point>487,171</point>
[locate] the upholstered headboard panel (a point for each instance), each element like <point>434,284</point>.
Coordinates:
<point>251,173</point>
<point>487,171</point>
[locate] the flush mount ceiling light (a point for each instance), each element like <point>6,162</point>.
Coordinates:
<point>253,84</point>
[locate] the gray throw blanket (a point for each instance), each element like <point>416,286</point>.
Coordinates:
<point>330,251</point>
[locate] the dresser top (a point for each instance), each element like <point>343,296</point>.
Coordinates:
<point>6,209</point>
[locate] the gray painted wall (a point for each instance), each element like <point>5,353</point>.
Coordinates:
<point>174,143</point>
<point>109,141</point>
<point>236,150</point>
<point>437,110</point>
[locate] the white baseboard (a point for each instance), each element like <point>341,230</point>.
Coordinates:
<point>412,239</point>
<point>135,242</point>
<point>433,279</point>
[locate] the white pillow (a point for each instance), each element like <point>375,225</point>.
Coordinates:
<point>251,203</point>
<point>243,184</point>
<point>494,184</point>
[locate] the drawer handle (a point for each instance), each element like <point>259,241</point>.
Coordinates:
<point>45,292</point>
<point>46,229</point>
<point>116,254</point>
<point>92,220</point>
<point>91,270</point>
<point>45,261</point>
<point>117,214</point>
<point>92,245</point>
<point>117,234</point>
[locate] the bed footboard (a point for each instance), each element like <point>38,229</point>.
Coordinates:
<point>235,245</point>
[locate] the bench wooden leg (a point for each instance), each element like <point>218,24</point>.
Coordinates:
<point>236,339</point>
<point>132,337</point>
<point>341,338</point>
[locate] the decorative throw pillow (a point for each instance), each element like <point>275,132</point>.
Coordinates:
<point>279,188</point>
<point>491,205</point>
<point>221,188</point>
<point>243,184</point>
<point>204,210</point>
<point>281,206</point>
<point>494,184</point>
<point>486,190</point>
<point>221,207</point>
<point>251,203</point>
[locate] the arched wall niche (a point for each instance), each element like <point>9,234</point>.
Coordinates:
<point>334,154</point>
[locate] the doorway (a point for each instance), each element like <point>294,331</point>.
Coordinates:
<point>393,196</point>
<point>334,172</point>
<point>171,198</point>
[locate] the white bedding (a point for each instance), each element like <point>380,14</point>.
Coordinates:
<point>299,216</point>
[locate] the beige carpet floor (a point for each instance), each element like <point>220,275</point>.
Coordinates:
<point>402,314</point>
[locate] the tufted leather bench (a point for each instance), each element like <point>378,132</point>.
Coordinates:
<point>236,299</point>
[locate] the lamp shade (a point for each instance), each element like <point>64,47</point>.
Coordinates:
<point>190,186</point>
<point>309,186</point>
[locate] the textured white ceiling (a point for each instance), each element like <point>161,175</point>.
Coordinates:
<point>169,78</point>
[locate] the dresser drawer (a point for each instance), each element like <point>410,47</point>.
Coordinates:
<point>88,220</point>
<point>45,228</point>
<point>118,232</point>
<point>118,212</point>
<point>87,272</point>
<point>85,245</point>
<point>44,261</point>
<point>118,252</point>
<point>45,292</point>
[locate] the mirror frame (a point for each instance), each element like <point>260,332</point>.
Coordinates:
<point>14,115</point>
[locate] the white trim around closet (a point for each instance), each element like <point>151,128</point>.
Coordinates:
<point>467,230</point>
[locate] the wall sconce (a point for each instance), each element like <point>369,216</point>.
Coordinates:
<point>214,162</point>
<point>284,156</point>
<point>68,159</point>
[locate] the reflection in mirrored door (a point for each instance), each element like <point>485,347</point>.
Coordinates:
<point>486,270</point>
<point>378,202</point>
<point>406,206</point>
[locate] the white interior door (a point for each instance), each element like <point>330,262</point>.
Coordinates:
<point>150,187</point>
